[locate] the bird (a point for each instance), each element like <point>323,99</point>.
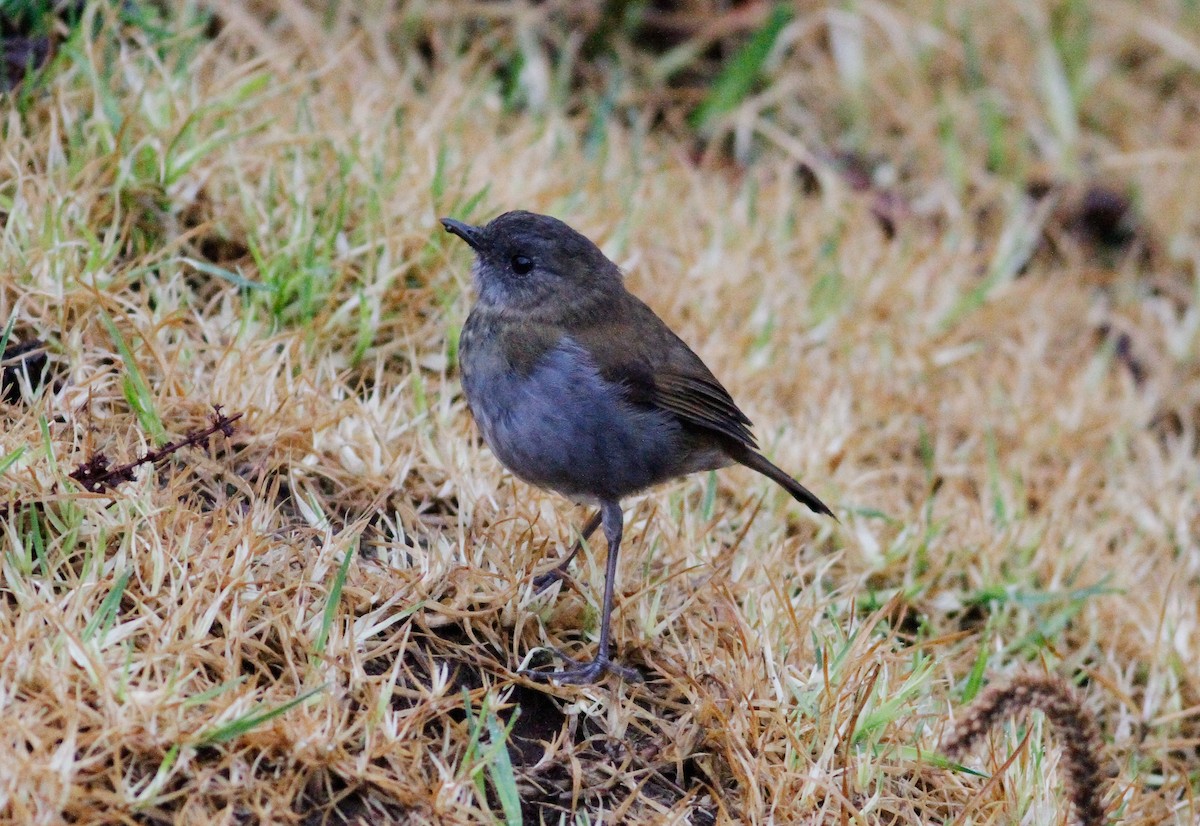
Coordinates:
<point>578,387</point>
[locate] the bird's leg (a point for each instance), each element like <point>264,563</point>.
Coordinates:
<point>559,571</point>
<point>583,673</point>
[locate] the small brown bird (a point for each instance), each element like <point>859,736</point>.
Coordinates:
<point>577,386</point>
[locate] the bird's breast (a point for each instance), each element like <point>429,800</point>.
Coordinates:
<point>557,423</point>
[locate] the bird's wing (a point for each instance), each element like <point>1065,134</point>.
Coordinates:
<point>636,349</point>
<point>701,400</point>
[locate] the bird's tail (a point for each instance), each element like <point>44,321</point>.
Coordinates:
<point>756,461</point>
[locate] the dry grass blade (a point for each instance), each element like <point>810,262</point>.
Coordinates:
<point>1074,729</point>
<point>943,255</point>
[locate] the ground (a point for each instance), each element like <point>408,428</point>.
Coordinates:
<point>944,257</point>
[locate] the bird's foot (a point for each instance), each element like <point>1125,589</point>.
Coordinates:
<point>577,673</point>
<point>555,574</point>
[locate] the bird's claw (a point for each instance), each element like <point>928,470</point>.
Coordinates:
<point>586,673</point>
<point>542,582</point>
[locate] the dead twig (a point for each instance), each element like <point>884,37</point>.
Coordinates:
<point>1075,728</point>
<point>97,476</point>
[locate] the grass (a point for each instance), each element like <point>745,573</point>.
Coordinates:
<point>944,258</point>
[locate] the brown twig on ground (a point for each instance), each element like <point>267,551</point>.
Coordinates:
<point>1076,729</point>
<point>96,476</point>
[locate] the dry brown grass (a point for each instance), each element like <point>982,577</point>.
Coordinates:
<point>1002,409</point>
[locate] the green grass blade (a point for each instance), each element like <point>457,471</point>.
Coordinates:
<point>216,691</point>
<point>148,794</point>
<point>501,769</point>
<point>335,596</point>
<point>236,728</point>
<point>978,672</point>
<point>912,754</point>
<point>237,279</point>
<point>137,392</point>
<point>709,506</point>
<point>739,75</point>
<point>102,620</point>
<point>8,328</point>
<point>10,459</point>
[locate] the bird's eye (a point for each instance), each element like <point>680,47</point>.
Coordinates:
<point>521,265</point>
